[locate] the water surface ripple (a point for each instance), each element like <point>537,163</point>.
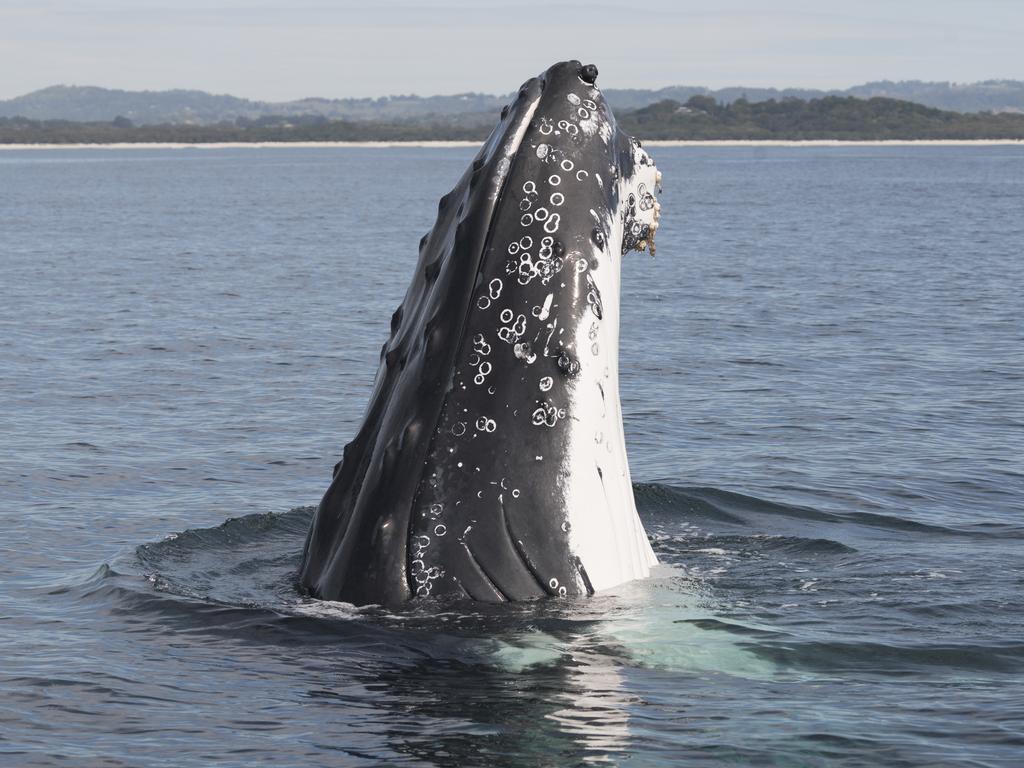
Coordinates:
<point>822,386</point>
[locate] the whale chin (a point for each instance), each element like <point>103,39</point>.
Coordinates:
<point>491,461</point>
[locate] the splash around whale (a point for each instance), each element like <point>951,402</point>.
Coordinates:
<point>491,461</point>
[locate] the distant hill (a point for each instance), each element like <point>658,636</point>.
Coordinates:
<point>700,117</point>
<point>845,118</point>
<point>92,104</point>
<point>987,96</point>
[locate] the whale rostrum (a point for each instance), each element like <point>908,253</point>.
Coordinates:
<point>491,461</point>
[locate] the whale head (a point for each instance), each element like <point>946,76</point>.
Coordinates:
<point>491,461</point>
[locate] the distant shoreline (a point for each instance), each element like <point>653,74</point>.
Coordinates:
<point>471,144</point>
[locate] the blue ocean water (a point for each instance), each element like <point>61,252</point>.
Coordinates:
<point>823,394</point>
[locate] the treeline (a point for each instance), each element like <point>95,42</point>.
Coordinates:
<point>20,130</point>
<point>832,117</point>
<point>699,118</point>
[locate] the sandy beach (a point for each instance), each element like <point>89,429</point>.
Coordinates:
<point>450,144</point>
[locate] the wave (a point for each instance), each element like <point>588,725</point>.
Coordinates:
<point>748,586</point>
<point>250,562</point>
<point>716,505</point>
<point>891,659</point>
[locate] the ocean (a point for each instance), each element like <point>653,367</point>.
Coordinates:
<point>823,396</point>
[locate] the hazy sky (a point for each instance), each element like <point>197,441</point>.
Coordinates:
<point>272,49</point>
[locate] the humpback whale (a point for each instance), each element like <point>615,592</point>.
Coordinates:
<point>491,462</point>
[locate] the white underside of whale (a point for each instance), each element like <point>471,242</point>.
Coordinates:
<point>606,532</point>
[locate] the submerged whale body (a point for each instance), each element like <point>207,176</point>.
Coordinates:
<point>491,461</point>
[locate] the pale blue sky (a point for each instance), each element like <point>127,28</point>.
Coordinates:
<point>271,49</point>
